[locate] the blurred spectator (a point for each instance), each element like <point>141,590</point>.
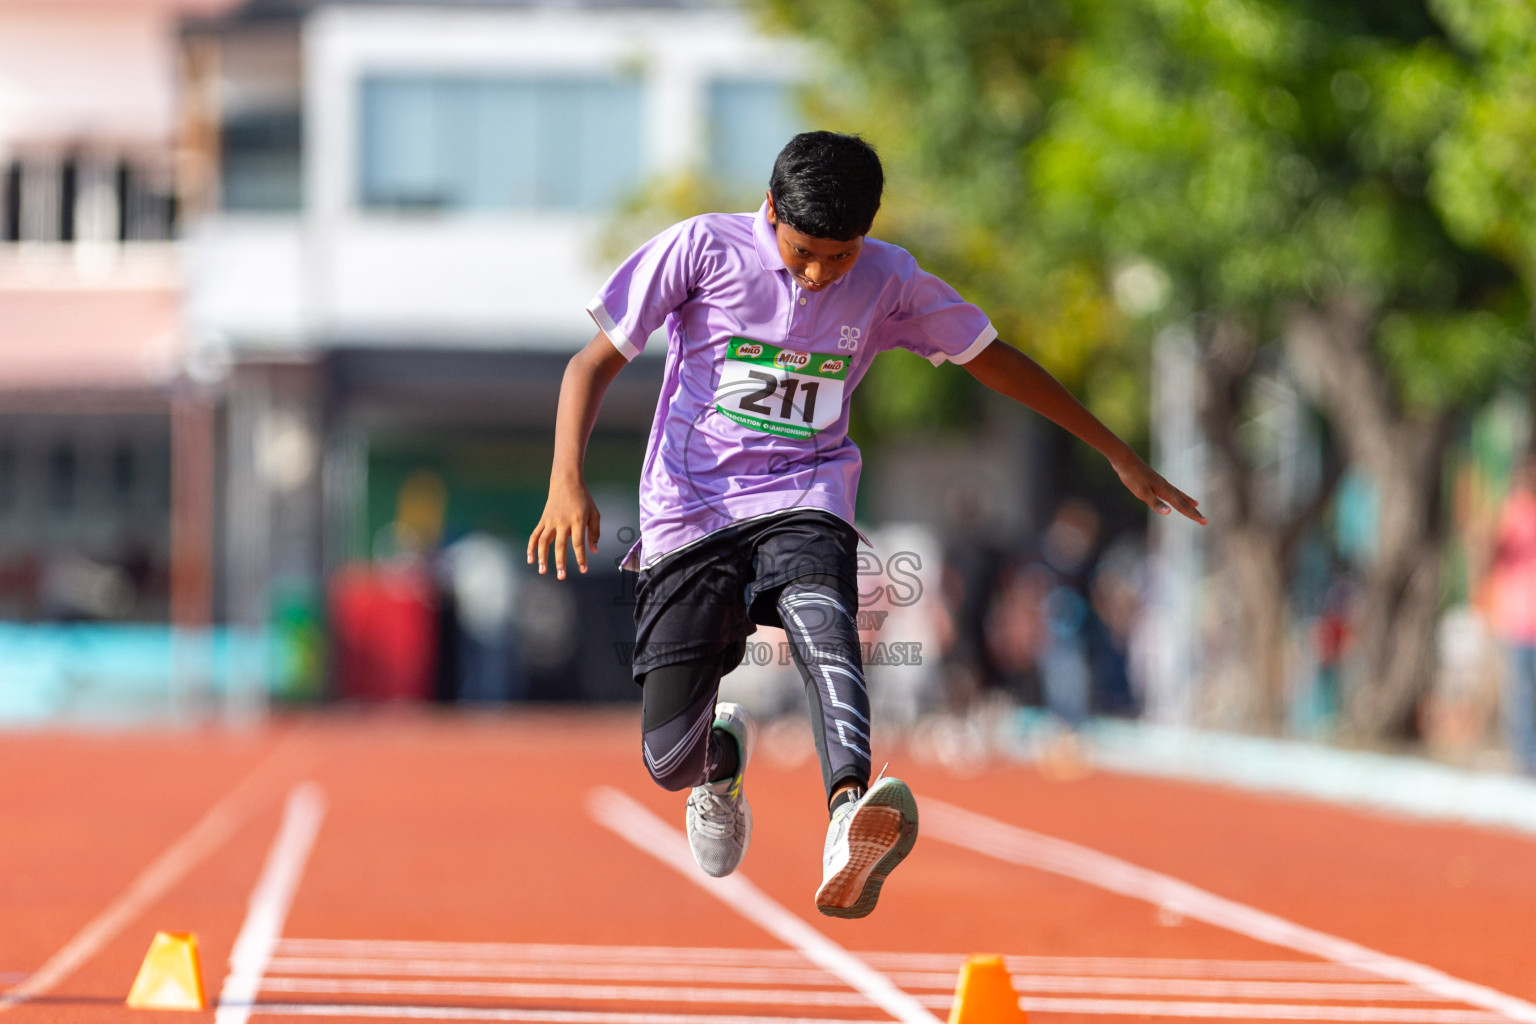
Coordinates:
<point>481,578</point>
<point>547,622</point>
<point>421,508</point>
<point>1116,599</point>
<point>1512,607</point>
<point>968,582</point>
<point>1016,629</point>
<point>1455,715</point>
<point>1066,674</point>
<point>1059,630</point>
<point>1330,638</point>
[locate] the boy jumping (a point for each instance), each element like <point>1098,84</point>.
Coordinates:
<point>746,495</point>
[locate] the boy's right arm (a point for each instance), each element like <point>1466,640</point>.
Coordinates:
<point>570,515</point>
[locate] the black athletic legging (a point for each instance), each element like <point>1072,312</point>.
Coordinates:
<point>677,707</point>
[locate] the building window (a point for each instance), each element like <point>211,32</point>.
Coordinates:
<point>125,475</point>
<point>85,199</point>
<point>146,209</point>
<point>10,231</point>
<point>438,143</point>
<point>749,122</point>
<point>261,161</point>
<point>61,478</point>
<point>69,189</point>
<point>9,472</point>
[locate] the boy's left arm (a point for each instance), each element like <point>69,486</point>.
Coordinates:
<point>1010,372</point>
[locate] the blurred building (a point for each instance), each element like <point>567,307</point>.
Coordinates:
<point>405,213</point>
<point>106,493</point>
<point>287,288</point>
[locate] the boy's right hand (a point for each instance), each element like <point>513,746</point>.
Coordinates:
<point>570,517</point>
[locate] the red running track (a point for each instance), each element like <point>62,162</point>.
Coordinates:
<point>516,867</point>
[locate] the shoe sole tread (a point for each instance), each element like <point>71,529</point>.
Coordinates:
<point>897,812</point>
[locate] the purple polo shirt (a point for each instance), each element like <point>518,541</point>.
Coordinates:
<point>753,414</point>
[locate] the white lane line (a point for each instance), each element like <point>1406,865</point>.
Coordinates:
<point>533,1016</point>
<point>1258,1011</point>
<point>269,903</point>
<point>813,976</point>
<point>780,997</point>
<point>533,953</point>
<point>635,824</point>
<point>211,831</point>
<point>1314,990</point>
<point>1015,845</point>
<point>817,978</point>
<point>1152,967</point>
<point>518,953</point>
<point>1246,970</point>
<point>531,990</point>
<point>515,951</point>
<point>1101,1007</point>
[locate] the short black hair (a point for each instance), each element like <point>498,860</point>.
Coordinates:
<point>827,185</point>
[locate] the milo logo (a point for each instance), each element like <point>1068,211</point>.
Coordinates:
<point>832,365</point>
<point>794,360</point>
<point>749,351</point>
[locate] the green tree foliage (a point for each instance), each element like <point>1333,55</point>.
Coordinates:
<point>1064,161</point>
<point>1342,186</point>
<point>1484,179</point>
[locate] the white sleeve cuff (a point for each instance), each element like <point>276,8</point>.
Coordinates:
<point>985,338</point>
<point>605,323</point>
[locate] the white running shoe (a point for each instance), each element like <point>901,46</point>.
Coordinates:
<point>866,839</point>
<point>719,817</point>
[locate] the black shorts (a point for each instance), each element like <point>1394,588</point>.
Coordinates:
<point>705,600</point>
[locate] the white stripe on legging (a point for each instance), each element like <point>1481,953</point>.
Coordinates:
<point>663,764</point>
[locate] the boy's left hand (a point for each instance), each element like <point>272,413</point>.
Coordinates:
<point>1148,485</point>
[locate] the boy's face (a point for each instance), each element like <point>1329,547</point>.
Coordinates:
<point>814,262</point>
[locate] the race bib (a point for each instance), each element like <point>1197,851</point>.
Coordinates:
<point>779,390</point>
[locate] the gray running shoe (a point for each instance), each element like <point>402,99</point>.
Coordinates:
<point>719,817</point>
<point>866,839</point>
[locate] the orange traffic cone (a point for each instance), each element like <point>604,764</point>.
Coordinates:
<point>985,994</point>
<point>170,977</point>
